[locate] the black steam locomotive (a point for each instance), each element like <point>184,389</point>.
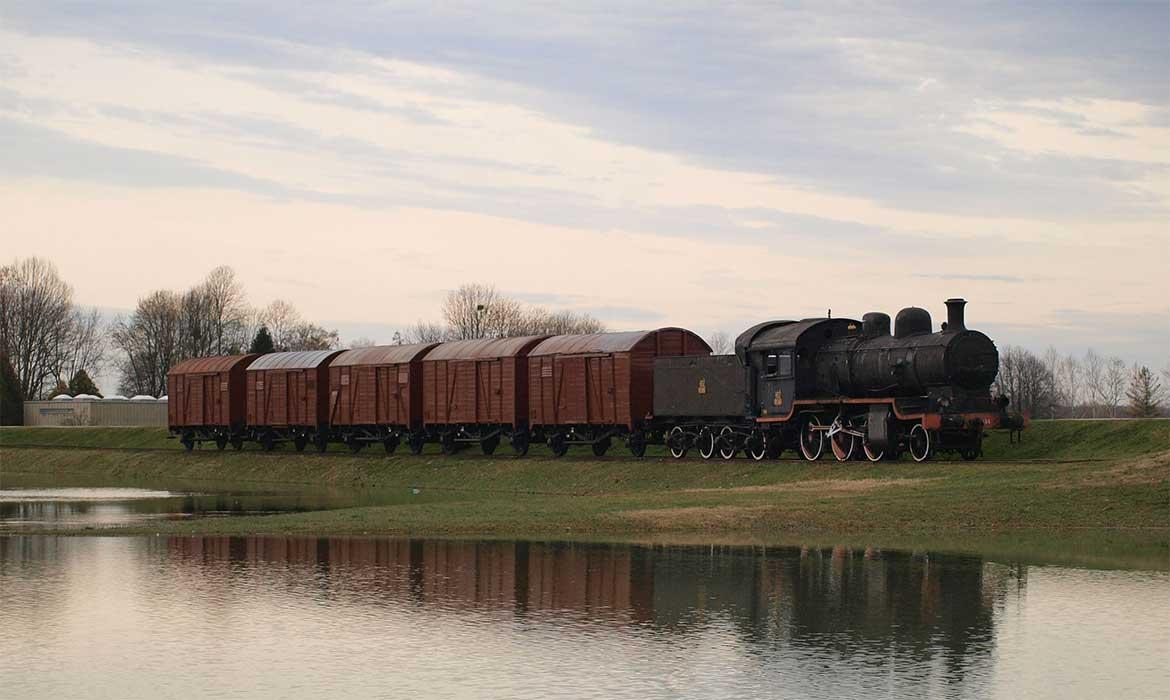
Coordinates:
<point>851,384</point>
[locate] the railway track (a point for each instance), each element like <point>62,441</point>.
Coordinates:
<point>582,457</point>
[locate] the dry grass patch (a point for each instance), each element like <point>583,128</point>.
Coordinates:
<point>1147,469</point>
<point>821,486</point>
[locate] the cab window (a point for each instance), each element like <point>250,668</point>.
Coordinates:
<point>778,364</point>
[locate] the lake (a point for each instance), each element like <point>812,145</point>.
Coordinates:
<point>278,617</point>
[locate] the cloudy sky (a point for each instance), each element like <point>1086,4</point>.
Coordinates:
<point>663,163</point>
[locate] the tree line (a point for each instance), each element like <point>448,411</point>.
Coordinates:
<point>1056,385</point>
<point>49,344</point>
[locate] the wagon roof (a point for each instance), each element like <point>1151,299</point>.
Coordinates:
<point>304,359</point>
<point>486,348</point>
<point>382,355</point>
<point>597,342</point>
<point>210,365</point>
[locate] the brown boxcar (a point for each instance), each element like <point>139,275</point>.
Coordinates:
<point>476,391</point>
<point>288,398</point>
<point>375,394</point>
<point>207,400</point>
<point>587,389</point>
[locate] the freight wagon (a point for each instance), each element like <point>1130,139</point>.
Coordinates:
<point>207,400</point>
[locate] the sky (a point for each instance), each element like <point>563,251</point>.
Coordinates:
<point>703,165</point>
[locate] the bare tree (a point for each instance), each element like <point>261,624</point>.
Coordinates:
<point>472,309</point>
<point>309,336</point>
<point>721,343</point>
<point>1025,379</point>
<point>540,321</point>
<point>36,322</point>
<point>1069,379</point>
<point>362,342</point>
<point>86,346</point>
<point>281,318</point>
<point>1116,378</point>
<point>151,342</point>
<point>226,309</point>
<point>1094,375</point>
<point>424,332</point>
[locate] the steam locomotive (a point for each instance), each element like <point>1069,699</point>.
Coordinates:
<point>851,384</point>
<point>853,387</point>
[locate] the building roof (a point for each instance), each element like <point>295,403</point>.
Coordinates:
<point>382,355</point>
<point>484,349</point>
<point>304,359</point>
<point>211,365</point>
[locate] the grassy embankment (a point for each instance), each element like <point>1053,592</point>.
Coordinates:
<point>1066,476</point>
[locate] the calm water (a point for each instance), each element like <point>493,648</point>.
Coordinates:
<point>30,502</point>
<point>154,617</point>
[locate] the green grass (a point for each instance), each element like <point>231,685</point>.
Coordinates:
<point>1082,439</point>
<point>1044,439</point>
<point>582,496</point>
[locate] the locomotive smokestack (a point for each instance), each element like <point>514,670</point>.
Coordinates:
<point>955,314</point>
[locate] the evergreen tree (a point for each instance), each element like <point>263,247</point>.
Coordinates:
<point>60,388</point>
<point>11,408</point>
<point>1144,393</point>
<point>262,343</point>
<point>82,384</point>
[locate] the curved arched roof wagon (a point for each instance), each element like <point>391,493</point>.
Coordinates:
<point>601,379</point>
<point>481,382</point>
<point>288,394</point>
<point>375,392</point>
<point>207,398</point>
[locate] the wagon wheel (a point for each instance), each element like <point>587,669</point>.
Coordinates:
<point>391,444</point>
<point>558,444</point>
<point>417,442</point>
<point>267,443</point>
<point>601,446</point>
<point>676,440</point>
<point>520,443</point>
<point>843,445</point>
<point>188,443</point>
<point>447,443</point>
<point>757,445</point>
<point>812,439</point>
<point>727,447</point>
<point>300,442</point>
<point>221,443</point>
<point>872,454</point>
<point>237,443</point>
<point>970,454</point>
<point>489,445</point>
<point>321,442</point>
<point>637,443</point>
<point>920,443</point>
<point>706,443</point>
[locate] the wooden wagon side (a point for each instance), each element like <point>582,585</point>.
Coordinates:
<point>207,400</point>
<point>589,389</point>
<point>376,395</point>
<point>476,391</point>
<point>288,398</point>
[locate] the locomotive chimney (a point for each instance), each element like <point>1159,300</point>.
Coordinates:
<point>955,314</point>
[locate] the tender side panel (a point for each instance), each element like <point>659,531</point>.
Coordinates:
<point>698,386</point>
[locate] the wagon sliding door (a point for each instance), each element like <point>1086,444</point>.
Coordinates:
<point>571,394</point>
<point>600,396</point>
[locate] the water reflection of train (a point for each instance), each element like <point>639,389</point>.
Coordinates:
<point>914,604</point>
